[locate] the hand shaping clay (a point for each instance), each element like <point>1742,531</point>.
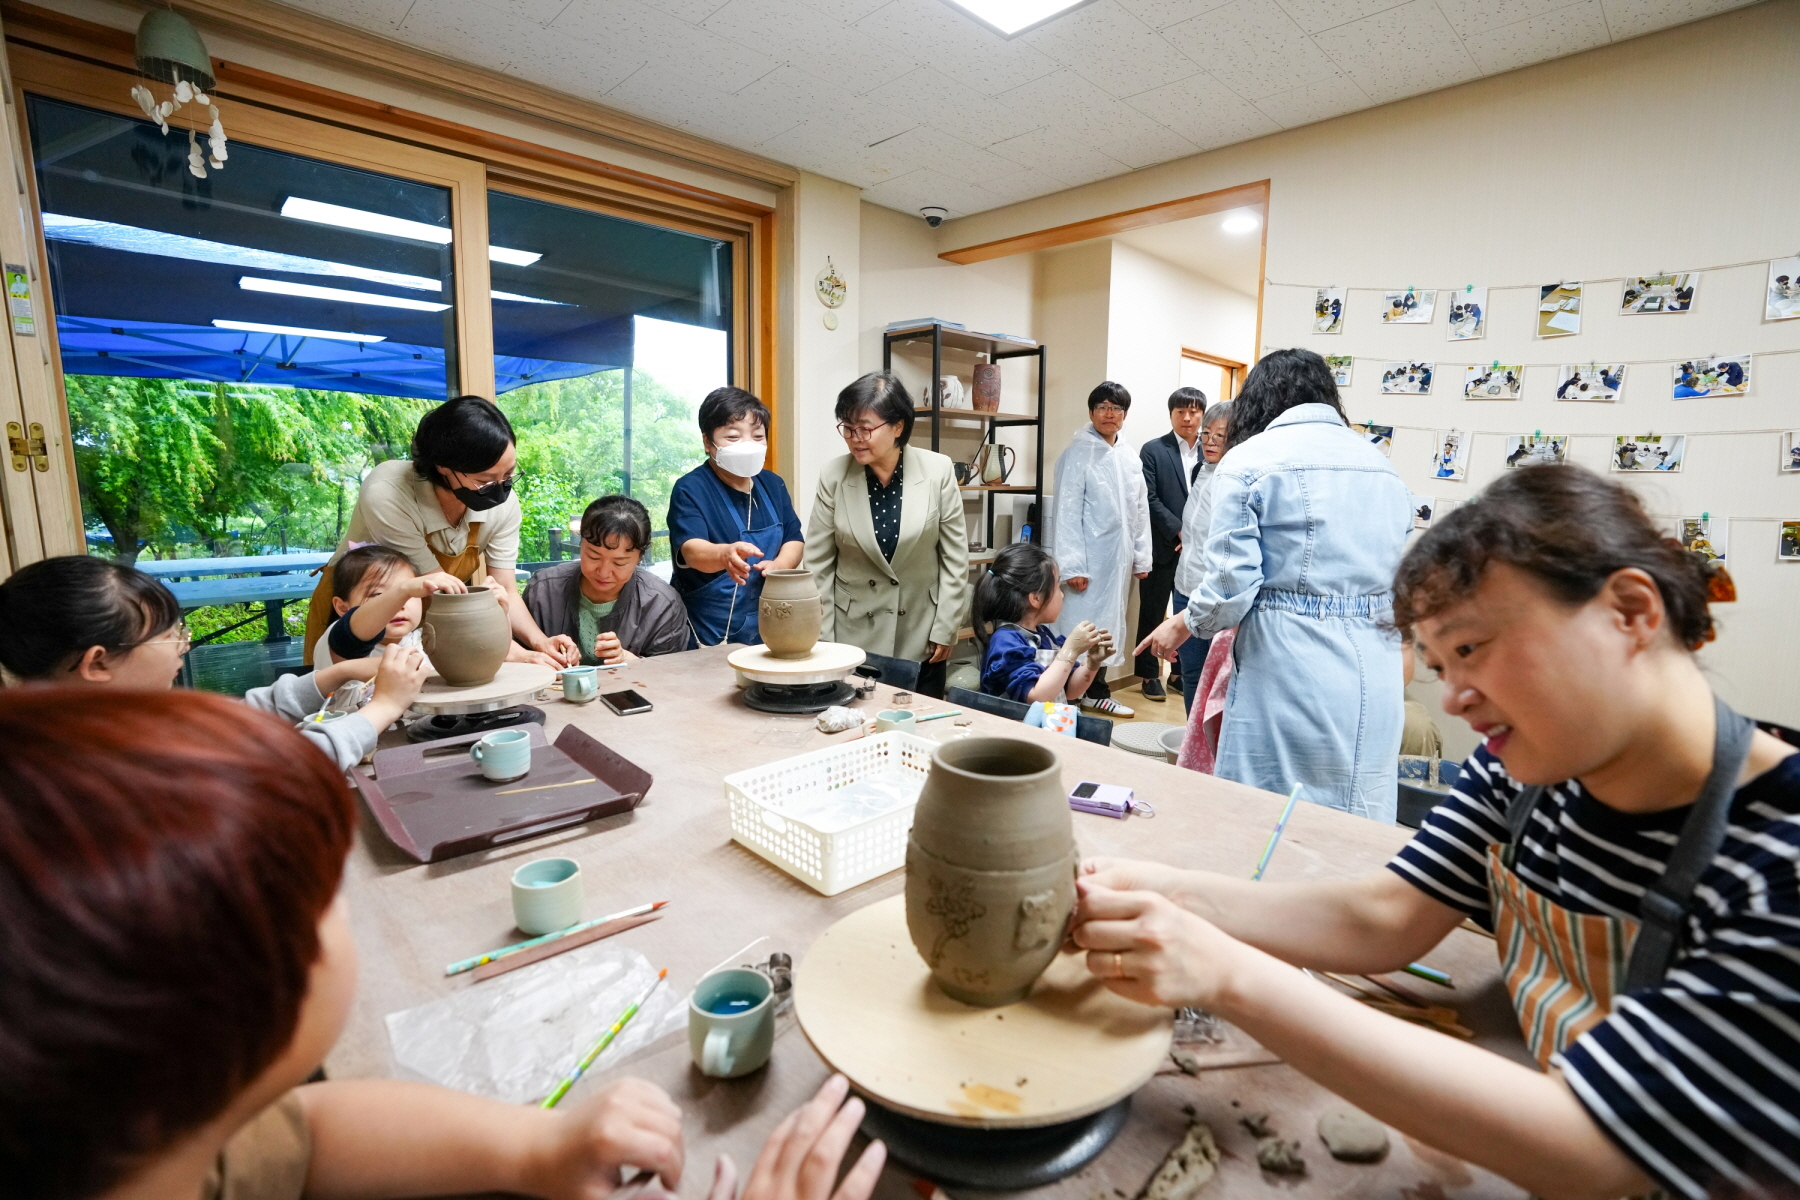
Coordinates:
<point>1187,1168</point>
<point>1353,1135</point>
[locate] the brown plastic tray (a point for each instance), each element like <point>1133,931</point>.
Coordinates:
<point>433,802</point>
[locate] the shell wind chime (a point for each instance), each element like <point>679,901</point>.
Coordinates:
<point>169,50</point>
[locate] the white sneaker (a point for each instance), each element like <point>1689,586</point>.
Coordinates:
<point>1111,708</point>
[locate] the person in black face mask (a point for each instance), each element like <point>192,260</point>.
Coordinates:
<point>450,509</point>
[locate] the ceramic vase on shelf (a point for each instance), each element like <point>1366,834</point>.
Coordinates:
<point>466,636</point>
<point>790,613</point>
<point>986,391</point>
<point>990,868</point>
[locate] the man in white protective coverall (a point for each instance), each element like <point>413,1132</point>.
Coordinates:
<point>1102,530</point>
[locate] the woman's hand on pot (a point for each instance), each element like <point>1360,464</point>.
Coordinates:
<point>1132,875</point>
<point>1166,639</point>
<point>433,582</point>
<point>937,652</point>
<point>518,653</point>
<point>1147,948</point>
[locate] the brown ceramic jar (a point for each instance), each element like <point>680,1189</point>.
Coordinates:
<point>466,636</point>
<point>990,868</point>
<point>790,614</point>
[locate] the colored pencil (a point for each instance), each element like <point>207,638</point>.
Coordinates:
<point>481,960</point>
<point>587,1060</point>
<point>954,712</point>
<point>1275,837</point>
<point>1430,974</point>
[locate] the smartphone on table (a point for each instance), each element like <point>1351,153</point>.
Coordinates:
<point>626,702</point>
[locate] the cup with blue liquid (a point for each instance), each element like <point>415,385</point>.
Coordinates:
<point>731,1022</point>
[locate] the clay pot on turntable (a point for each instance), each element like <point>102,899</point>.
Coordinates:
<point>466,636</point>
<point>990,868</point>
<point>790,613</point>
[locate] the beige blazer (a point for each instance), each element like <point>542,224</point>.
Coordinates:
<point>923,595</point>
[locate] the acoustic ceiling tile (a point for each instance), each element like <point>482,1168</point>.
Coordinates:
<point>1160,14</point>
<point>658,92</point>
<point>924,146</point>
<point>1020,185</point>
<point>933,33</point>
<point>538,12</point>
<point>1400,52</point>
<point>382,16</point>
<point>1111,49</point>
<point>1316,15</point>
<point>796,96</point>
<point>826,146</point>
<point>839,56</point>
<point>1578,27</point>
<point>1085,114</point>
<point>1204,111</point>
<point>928,96</point>
<point>1252,47</point>
<point>1469,17</point>
<point>691,11</point>
<point>633,31</point>
<point>1629,18</point>
<point>1059,157</point>
<point>849,11</point>
<point>1330,97</point>
<point>478,33</point>
<point>917,189</point>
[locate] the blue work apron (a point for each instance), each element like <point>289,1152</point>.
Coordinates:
<point>719,609</point>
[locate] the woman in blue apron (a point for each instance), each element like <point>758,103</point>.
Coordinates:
<point>1629,841</point>
<point>730,521</point>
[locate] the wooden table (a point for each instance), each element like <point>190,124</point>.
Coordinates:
<point>410,920</point>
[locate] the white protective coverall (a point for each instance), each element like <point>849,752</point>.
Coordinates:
<point>1102,532</point>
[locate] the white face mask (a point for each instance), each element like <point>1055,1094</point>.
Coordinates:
<point>743,459</point>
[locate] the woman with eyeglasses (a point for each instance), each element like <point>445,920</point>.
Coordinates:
<point>887,540</point>
<point>449,508</point>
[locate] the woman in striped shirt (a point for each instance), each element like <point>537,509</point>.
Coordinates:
<point>1632,842</point>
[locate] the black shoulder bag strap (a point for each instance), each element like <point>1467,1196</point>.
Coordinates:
<point>1664,907</point>
<point>1518,816</point>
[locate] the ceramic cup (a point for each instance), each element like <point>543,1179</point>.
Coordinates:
<point>546,895</point>
<point>504,755</point>
<point>731,1022</point>
<point>580,684</point>
<point>895,721</point>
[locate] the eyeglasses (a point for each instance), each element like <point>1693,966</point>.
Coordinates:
<point>859,433</point>
<point>1111,410</point>
<point>182,637</point>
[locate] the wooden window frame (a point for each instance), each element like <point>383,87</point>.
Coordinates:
<point>1234,370</point>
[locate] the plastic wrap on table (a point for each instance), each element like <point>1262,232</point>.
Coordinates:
<point>515,1037</point>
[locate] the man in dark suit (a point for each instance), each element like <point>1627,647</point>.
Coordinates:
<point>1170,463</point>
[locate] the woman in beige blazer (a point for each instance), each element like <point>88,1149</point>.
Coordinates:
<point>886,539</point>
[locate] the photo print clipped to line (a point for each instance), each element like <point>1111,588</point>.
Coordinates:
<point>1496,381</point>
<point>1728,375</point>
<point>1646,452</point>
<point>1784,290</point>
<point>1424,511</point>
<point>1379,436</point>
<point>1343,366</point>
<point>1411,307</point>
<point>1468,314</point>
<point>1407,378</point>
<point>1559,310</point>
<point>1706,535</point>
<point>1537,449</point>
<point>1788,548</point>
<point>1450,458</point>
<point>1647,294</point>
<point>1328,310</point>
<point>1590,381</point>
<point>1790,450</point>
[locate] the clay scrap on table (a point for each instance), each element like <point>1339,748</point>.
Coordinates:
<point>1274,1155</point>
<point>1192,1162</point>
<point>1353,1135</point>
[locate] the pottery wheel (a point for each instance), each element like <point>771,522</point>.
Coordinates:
<point>514,683</point>
<point>797,699</point>
<point>996,1160</point>
<point>828,661</point>
<point>1068,1050</point>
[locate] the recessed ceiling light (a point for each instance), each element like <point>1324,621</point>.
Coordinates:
<point>313,291</point>
<point>1010,18</point>
<point>296,331</point>
<point>1241,223</point>
<point>320,213</point>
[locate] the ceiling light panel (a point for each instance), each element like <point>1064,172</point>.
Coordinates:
<point>1010,18</point>
<point>312,291</point>
<point>296,331</point>
<point>363,221</point>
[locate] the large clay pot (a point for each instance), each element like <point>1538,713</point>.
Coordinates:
<point>990,868</point>
<point>986,392</point>
<point>789,614</point>
<point>466,635</point>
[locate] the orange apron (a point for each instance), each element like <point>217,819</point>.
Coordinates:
<point>468,565</point>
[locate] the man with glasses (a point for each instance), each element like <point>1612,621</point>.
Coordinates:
<point>1102,529</point>
<point>1171,464</point>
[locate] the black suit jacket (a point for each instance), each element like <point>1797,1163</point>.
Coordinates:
<point>1166,486</point>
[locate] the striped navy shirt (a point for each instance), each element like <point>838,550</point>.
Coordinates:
<point>1698,1079</point>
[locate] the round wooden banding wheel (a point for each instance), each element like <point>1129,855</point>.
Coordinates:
<point>870,1008</point>
<point>514,683</point>
<point>828,661</point>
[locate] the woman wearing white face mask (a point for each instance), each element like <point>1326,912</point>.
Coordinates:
<point>730,521</point>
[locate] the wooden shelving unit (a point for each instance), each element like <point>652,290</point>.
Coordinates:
<point>935,339</point>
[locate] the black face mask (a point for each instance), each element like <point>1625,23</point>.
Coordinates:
<point>488,495</point>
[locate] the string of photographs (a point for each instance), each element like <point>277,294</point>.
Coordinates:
<point>1632,453</point>
<point>1706,534</point>
<point>1693,378</point>
<point>1559,304</point>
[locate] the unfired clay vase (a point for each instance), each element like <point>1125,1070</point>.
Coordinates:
<point>466,635</point>
<point>986,392</point>
<point>789,614</point>
<point>990,868</point>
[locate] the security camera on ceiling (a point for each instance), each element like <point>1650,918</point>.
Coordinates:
<point>934,215</point>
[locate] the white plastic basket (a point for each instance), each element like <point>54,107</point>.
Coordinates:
<point>829,862</point>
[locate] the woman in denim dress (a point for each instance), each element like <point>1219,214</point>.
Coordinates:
<point>1308,525</point>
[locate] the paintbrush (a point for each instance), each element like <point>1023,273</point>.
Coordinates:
<point>587,1060</point>
<point>481,960</point>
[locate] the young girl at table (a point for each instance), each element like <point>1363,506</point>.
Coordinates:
<point>1630,840</point>
<point>179,961</point>
<point>83,620</point>
<point>1021,659</point>
<point>377,598</point>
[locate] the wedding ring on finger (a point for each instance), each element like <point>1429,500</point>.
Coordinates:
<point>1119,965</point>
